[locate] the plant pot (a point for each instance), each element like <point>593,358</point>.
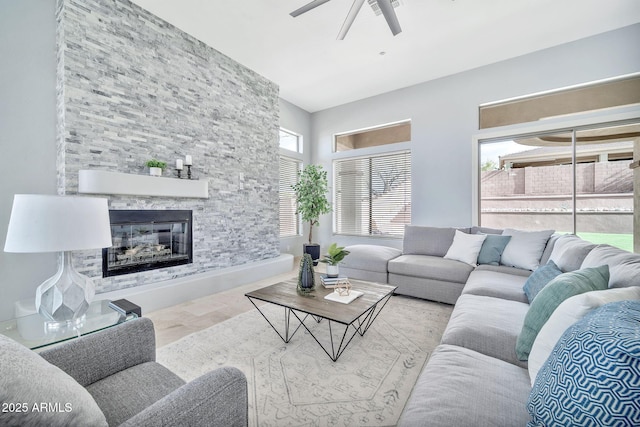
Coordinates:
<point>312,249</point>
<point>333,270</point>
<point>155,171</point>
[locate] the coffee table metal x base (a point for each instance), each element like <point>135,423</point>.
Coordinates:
<point>361,325</point>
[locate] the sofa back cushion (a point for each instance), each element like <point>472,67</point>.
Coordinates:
<point>525,248</point>
<point>434,241</point>
<point>591,377</point>
<point>551,296</point>
<point>624,267</point>
<point>568,313</point>
<point>570,251</point>
<point>42,394</point>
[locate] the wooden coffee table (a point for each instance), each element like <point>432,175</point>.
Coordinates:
<point>359,314</point>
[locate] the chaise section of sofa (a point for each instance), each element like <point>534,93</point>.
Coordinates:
<point>461,387</point>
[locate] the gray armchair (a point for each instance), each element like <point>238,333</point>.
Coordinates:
<point>117,368</point>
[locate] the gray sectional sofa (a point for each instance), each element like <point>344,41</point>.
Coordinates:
<point>477,376</point>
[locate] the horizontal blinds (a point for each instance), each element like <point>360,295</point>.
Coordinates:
<point>289,224</point>
<point>373,195</point>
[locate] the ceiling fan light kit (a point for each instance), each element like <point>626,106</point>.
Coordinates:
<point>384,7</point>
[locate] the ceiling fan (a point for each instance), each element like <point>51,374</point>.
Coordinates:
<point>384,6</point>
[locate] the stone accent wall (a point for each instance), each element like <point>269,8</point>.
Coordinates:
<point>132,87</point>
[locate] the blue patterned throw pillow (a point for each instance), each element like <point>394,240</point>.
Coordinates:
<point>539,279</point>
<point>592,377</point>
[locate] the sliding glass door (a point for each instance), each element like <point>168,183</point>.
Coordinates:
<point>572,181</point>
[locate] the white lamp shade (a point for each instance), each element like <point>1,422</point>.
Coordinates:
<point>43,223</point>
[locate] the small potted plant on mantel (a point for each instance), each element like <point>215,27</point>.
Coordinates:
<point>155,167</point>
<point>311,202</point>
<point>334,255</point>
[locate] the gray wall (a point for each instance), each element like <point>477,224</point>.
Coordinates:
<point>27,133</point>
<point>296,120</point>
<point>444,119</point>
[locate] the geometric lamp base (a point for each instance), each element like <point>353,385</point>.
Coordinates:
<point>65,296</point>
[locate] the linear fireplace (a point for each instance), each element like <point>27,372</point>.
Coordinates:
<point>147,239</point>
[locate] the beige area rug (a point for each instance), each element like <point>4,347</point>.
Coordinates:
<point>297,384</point>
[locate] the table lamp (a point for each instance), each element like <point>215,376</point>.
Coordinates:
<point>43,223</point>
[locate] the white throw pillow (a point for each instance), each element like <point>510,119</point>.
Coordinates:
<point>466,247</point>
<point>567,313</point>
<point>525,248</point>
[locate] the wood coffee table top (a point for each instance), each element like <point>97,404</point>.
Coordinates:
<point>286,294</point>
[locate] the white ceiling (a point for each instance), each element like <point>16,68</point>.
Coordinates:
<point>440,37</point>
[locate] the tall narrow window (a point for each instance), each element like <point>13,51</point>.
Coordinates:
<point>290,141</point>
<point>373,195</point>
<point>289,222</point>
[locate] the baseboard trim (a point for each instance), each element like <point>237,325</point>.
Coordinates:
<point>175,291</point>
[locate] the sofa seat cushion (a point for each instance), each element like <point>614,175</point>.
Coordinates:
<point>119,401</point>
<point>487,325</point>
<point>432,267</point>
<point>369,257</point>
<point>496,284</point>
<point>461,387</point>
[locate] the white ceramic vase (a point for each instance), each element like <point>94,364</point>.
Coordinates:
<point>155,171</point>
<point>333,270</point>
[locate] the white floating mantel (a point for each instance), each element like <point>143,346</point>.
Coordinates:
<point>105,182</point>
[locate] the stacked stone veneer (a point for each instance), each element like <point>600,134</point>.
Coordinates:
<point>132,87</point>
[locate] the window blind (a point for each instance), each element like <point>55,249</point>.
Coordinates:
<point>373,195</point>
<point>289,223</point>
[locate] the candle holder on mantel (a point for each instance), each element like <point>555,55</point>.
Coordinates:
<point>188,171</point>
<point>179,173</point>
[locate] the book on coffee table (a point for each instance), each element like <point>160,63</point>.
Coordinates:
<point>330,282</point>
<point>344,299</point>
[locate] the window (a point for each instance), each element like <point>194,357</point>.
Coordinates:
<point>289,221</point>
<point>373,195</point>
<point>373,137</point>
<point>290,141</point>
<point>572,181</point>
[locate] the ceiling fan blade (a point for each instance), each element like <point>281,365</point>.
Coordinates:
<point>307,7</point>
<point>390,15</point>
<point>351,16</point>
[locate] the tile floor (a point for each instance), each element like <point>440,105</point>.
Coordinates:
<point>175,322</point>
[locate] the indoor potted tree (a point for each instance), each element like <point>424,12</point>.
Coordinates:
<point>311,202</point>
<point>334,255</point>
<point>155,167</point>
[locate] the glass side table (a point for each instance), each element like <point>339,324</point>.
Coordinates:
<point>35,332</point>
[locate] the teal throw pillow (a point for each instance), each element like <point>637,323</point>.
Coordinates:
<point>539,279</point>
<point>551,296</point>
<point>592,375</point>
<point>492,249</point>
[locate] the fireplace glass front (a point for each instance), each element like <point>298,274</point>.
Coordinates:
<point>147,239</point>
